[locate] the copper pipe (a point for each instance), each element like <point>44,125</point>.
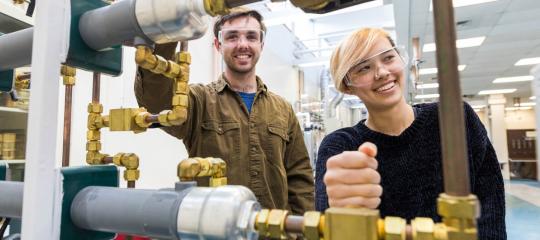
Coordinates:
<point>67,125</point>
<point>131,184</point>
<point>409,232</point>
<point>454,148</point>
<point>96,87</point>
<point>294,224</point>
<point>108,160</point>
<point>183,46</point>
<point>152,118</point>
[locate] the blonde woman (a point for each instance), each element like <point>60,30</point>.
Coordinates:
<point>392,160</point>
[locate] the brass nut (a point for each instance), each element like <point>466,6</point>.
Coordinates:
<point>105,121</point>
<point>180,100</point>
<point>422,228</point>
<point>311,225</point>
<point>145,58</point>
<point>276,223</point>
<point>94,157</point>
<point>184,77</point>
<point>458,207</point>
<point>93,135</point>
<point>68,80</point>
<point>163,118</point>
<point>260,223</point>
<point>218,182</point>
<point>161,66</point>
<point>395,228</point>
<point>184,57</point>
<point>117,159</point>
<point>67,70</point>
<point>93,146</point>
<point>130,161</point>
<point>173,70</point>
<point>95,108</point>
<point>140,119</point>
<point>131,175</point>
<point>181,88</point>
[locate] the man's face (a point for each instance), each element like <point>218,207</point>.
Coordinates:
<point>240,43</point>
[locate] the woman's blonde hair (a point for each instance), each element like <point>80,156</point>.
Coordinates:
<point>351,51</point>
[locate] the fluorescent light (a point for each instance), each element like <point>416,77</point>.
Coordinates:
<point>427,96</point>
<point>428,85</point>
<point>313,64</point>
<point>513,79</point>
<point>496,91</point>
<point>460,43</point>
<point>528,61</point>
<point>477,110</point>
<point>517,108</point>
<point>426,71</point>
<point>525,104</point>
<point>533,98</point>
<point>478,106</point>
<point>463,3</point>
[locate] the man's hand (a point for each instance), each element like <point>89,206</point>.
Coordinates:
<point>352,179</point>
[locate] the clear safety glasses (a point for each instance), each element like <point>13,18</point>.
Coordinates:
<point>232,37</point>
<point>389,61</point>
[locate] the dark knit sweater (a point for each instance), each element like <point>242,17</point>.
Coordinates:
<point>410,166</point>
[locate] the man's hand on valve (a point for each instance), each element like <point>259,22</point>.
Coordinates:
<point>352,179</point>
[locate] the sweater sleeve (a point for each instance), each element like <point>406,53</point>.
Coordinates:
<point>486,179</point>
<point>331,145</point>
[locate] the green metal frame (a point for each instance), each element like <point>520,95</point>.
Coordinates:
<point>7,78</point>
<point>74,180</point>
<point>3,170</point>
<point>80,55</point>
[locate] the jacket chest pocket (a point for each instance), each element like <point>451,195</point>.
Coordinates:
<point>278,138</point>
<point>220,139</point>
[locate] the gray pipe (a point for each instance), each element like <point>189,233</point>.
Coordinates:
<point>16,49</point>
<point>140,212</point>
<point>11,199</point>
<point>109,26</point>
<point>332,105</point>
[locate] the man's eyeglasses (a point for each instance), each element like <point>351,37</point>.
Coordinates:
<point>232,37</point>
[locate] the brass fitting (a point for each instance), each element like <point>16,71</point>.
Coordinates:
<point>351,223</point>
<point>276,224</point>
<point>310,4</point>
<point>144,57</point>
<point>163,118</point>
<point>95,108</point>
<point>181,87</point>
<point>8,146</point>
<point>131,175</point>
<point>95,157</point>
<point>216,7</point>
<point>183,57</point>
<point>128,160</point>
<point>312,220</point>
<point>180,100</point>
<point>173,70</point>
<point>124,119</point>
<point>93,146</point>
<point>95,121</point>
<point>190,168</point>
<point>261,223</point>
<point>93,135</point>
<point>140,119</point>
<point>184,76</point>
<point>18,2</point>
<point>423,228</point>
<point>68,80</point>
<point>459,215</point>
<point>173,117</point>
<point>22,83</point>
<point>394,228</point>
<point>155,63</point>
<point>68,74</point>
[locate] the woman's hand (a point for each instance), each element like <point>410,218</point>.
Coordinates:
<point>352,179</point>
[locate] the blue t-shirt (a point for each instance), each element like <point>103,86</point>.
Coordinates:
<point>248,99</point>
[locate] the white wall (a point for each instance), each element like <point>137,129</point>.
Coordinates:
<point>160,153</point>
<point>522,119</point>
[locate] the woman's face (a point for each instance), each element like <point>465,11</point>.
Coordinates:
<point>378,80</point>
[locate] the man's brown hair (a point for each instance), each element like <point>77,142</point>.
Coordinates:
<point>238,13</point>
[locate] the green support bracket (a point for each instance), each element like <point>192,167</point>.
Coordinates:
<point>3,170</point>
<point>7,78</point>
<point>82,56</point>
<point>74,180</point>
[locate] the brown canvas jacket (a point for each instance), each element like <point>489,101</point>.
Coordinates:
<point>264,150</point>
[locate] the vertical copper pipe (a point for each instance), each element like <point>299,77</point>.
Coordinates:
<point>454,148</point>
<point>183,46</point>
<point>67,125</point>
<point>131,184</point>
<point>96,87</point>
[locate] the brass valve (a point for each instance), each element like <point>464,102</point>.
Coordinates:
<point>459,215</point>
<point>351,223</point>
<point>216,7</point>
<point>128,119</point>
<point>215,168</point>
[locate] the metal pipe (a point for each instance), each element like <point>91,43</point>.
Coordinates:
<point>16,49</point>
<point>183,46</point>
<point>332,105</point>
<point>294,224</point>
<point>67,125</point>
<point>11,199</point>
<point>131,184</point>
<point>451,121</point>
<point>152,118</point>
<point>96,87</point>
<point>139,212</point>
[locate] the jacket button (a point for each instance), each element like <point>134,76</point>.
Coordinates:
<point>254,173</point>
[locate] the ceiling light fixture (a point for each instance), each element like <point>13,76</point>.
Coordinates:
<point>528,61</point>
<point>426,71</point>
<point>428,86</point>
<point>426,96</point>
<point>460,43</point>
<point>513,79</point>
<point>497,91</point>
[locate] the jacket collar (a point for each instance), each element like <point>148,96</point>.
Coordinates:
<point>222,82</point>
